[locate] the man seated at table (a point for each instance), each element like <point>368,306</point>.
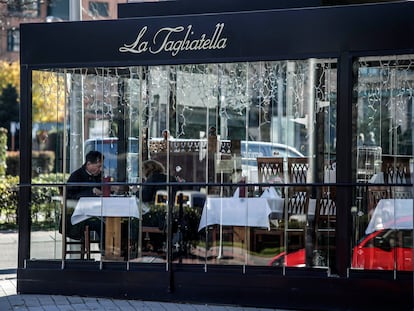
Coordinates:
<point>89,173</point>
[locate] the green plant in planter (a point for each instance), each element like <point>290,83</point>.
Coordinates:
<point>3,149</point>
<point>155,217</point>
<point>187,223</point>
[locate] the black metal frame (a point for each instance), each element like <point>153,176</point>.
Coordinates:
<point>344,33</point>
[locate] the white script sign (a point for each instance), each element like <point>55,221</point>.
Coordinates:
<point>165,40</point>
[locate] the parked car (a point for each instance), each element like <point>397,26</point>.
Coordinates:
<point>109,148</point>
<point>387,244</point>
<point>293,259</point>
<point>386,249</point>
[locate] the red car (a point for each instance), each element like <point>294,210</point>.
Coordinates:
<point>294,259</point>
<point>384,249</point>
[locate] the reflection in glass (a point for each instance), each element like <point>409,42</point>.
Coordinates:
<point>219,119</point>
<point>383,211</point>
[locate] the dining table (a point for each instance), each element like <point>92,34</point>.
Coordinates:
<point>112,209</point>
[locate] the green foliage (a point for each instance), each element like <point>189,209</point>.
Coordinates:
<point>188,223</point>
<point>42,207</point>
<point>42,162</point>
<point>9,75</point>
<point>9,198</point>
<point>9,106</point>
<point>42,197</point>
<point>9,110</point>
<point>3,150</point>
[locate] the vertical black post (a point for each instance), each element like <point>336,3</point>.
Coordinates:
<point>180,227</point>
<point>169,238</point>
<point>23,212</point>
<point>122,117</point>
<point>344,164</point>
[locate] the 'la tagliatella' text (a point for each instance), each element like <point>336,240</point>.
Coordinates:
<point>168,39</point>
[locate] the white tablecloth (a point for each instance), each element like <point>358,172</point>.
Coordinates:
<point>105,206</point>
<point>235,211</point>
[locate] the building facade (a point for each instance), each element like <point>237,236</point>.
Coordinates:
<point>285,135</point>
<point>13,13</point>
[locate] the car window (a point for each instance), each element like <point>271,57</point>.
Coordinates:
<point>387,239</point>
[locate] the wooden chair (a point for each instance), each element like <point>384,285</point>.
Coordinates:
<point>298,201</point>
<point>295,213</point>
<point>298,170</point>
<point>396,170</point>
<point>402,193</point>
<point>325,225</point>
<point>78,238</point>
<point>269,169</point>
<point>375,194</point>
<point>272,170</point>
<point>161,197</point>
<point>83,246</point>
<point>325,212</point>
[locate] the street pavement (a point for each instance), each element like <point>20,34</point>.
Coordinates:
<point>10,300</point>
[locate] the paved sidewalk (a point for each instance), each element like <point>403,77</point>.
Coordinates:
<point>9,300</point>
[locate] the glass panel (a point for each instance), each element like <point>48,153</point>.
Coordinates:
<point>46,206</point>
<point>98,9</point>
<point>27,8</point>
<point>210,127</point>
<point>383,211</point>
<point>307,121</point>
<point>13,40</point>
<point>48,91</point>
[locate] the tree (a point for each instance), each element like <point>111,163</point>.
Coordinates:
<point>9,98</point>
<point>9,75</point>
<point>48,91</point>
<point>9,109</point>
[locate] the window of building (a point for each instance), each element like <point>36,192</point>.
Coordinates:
<point>28,8</point>
<point>98,9</point>
<point>251,144</point>
<point>238,101</point>
<point>384,156</point>
<point>13,40</point>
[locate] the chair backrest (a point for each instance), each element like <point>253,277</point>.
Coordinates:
<point>375,194</point>
<point>298,169</point>
<point>325,212</point>
<point>396,169</point>
<point>161,197</point>
<point>298,201</point>
<point>402,192</point>
<point>269,170</point>
<point>190,198</point>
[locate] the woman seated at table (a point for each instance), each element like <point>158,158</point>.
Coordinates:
<point>154,172</point>
<point>184,221</point>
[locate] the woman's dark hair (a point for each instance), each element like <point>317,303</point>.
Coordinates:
<point>150,167</point>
